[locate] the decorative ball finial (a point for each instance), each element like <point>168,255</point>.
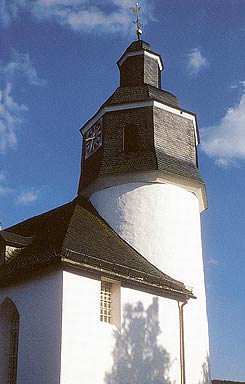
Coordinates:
<point>139,25</point>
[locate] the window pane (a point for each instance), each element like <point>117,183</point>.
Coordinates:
<point>105,302</point>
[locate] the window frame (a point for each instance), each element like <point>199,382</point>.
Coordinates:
<point>115,302</point>
<point>10,314</point>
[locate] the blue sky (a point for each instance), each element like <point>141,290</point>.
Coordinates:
<point>58,65</point>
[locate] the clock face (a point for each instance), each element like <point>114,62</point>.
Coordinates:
<point>93,139</point>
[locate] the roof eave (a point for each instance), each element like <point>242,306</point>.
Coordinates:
<point>160,288</point>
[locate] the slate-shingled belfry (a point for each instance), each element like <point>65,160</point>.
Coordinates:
<point>109,288</point>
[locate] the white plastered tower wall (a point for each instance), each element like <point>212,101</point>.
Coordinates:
<point>162,222</point>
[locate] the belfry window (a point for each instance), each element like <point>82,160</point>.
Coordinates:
<point>110,302</point>
<point>130,138</point>
<point>9,331</point>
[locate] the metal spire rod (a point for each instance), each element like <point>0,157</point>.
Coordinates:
<point>139,25</point>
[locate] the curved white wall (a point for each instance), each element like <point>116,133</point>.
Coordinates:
<point>162,222</point>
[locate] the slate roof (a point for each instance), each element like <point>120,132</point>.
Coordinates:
<point>137,45</point>
<point>140,45</point>
<point>74,235</point>
<point>141,93</point>
<point>227,382</point>
<point>14,239</point>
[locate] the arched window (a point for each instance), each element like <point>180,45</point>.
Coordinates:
<point>9,335</point>
<point>130,138</point>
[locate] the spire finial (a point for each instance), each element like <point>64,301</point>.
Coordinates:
<point>139,25</point>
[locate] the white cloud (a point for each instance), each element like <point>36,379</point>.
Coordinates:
<point>196,61</point>
<point>80,15</point>
<point>27,197</point>
<point>21,197</point>
<point>21,66</point>
<point>225,142</point>
<point>2,176</point>
<point>10,118</point>
<point>4,189</point>
<point>11,112</point>
<point>212,261</point>
<point>9,9</point>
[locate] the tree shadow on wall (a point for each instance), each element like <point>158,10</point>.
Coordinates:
<point>206,377</point>
<point>138,358</point>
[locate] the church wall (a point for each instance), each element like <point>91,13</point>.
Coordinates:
<point>102,353</point>
<point>39,305</point>
<point>86,342</point>
<point>162,349</point>
<point>162,222</point>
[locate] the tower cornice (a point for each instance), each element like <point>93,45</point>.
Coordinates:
<point>149,177</point>
<point>152,55</point>
<point>148,103</point>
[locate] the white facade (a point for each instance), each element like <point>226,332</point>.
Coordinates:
<point>39,303</point>
<point>62,340</point>
<point>61,337</point>
<point>89,345</point>
<point>162,222</point>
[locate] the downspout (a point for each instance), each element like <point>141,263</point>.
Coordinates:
<point>182,341</point>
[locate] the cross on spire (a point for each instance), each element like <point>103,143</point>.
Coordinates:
<point>139,25</point>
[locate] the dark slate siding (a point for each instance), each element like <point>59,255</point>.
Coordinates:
<point>175,144</point>
<point>151,72</point>
<point>139,70</point>
<point>166,142</point>
<point>110,158</point>
<point>90,167</point>
<point>132,71</point>
<point>174,135</point>
<point>115,160</point>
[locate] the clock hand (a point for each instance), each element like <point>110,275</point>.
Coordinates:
<point>90,138</point>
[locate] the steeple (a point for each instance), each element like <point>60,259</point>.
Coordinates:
<point>139,65</point>
<point>140,172</point>
<point>140,131</point>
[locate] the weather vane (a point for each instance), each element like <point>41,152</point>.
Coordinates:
<point>139,25</point>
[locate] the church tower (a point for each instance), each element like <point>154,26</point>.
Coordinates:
<point>109,288</point>
<point>140,172</point>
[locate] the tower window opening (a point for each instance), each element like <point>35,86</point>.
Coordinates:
<point>105,302</point>
<point>130,138</point>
